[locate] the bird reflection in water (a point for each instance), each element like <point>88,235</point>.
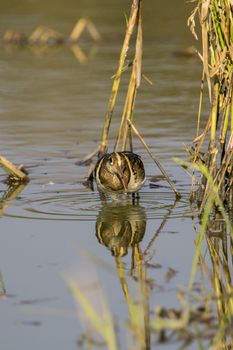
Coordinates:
<point>120,226</point>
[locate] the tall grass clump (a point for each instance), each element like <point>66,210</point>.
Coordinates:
<point>216,25</point>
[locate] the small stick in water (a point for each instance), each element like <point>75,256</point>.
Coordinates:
<point>13,170</point>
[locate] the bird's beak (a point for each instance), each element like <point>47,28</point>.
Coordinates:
<point>120,176</point>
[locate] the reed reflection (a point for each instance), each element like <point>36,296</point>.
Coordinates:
<point>220,248</point>
<point>12,191</point>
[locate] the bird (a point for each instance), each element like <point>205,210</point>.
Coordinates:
<point>119,172</point>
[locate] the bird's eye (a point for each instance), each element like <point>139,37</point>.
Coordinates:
<point>110,160</point>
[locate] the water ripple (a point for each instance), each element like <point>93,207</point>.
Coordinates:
<point>67,204</point>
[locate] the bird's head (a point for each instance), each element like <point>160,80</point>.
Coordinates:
<point>116,164</point>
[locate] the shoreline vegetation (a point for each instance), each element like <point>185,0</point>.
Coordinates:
<point>215,20</point>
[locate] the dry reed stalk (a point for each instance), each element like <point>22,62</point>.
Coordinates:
<point>134,84</point>
<point>155,159</point>
<point>112,100</point>
<point>200,104</point>
<point>78,29</point>
<point>80,26</point>
<point>93,31</point>
<point>13,171</point>
<point>45,36</point>
<point>130,102</point>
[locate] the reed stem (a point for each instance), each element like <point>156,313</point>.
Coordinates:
<point>116,82</point>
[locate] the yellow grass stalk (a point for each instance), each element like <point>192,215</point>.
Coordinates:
<point>102,324</point>
<point>214,113</point>
<point>126,111</point>
<point>204,6</point>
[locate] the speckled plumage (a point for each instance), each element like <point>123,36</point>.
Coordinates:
<point>119,172</point>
